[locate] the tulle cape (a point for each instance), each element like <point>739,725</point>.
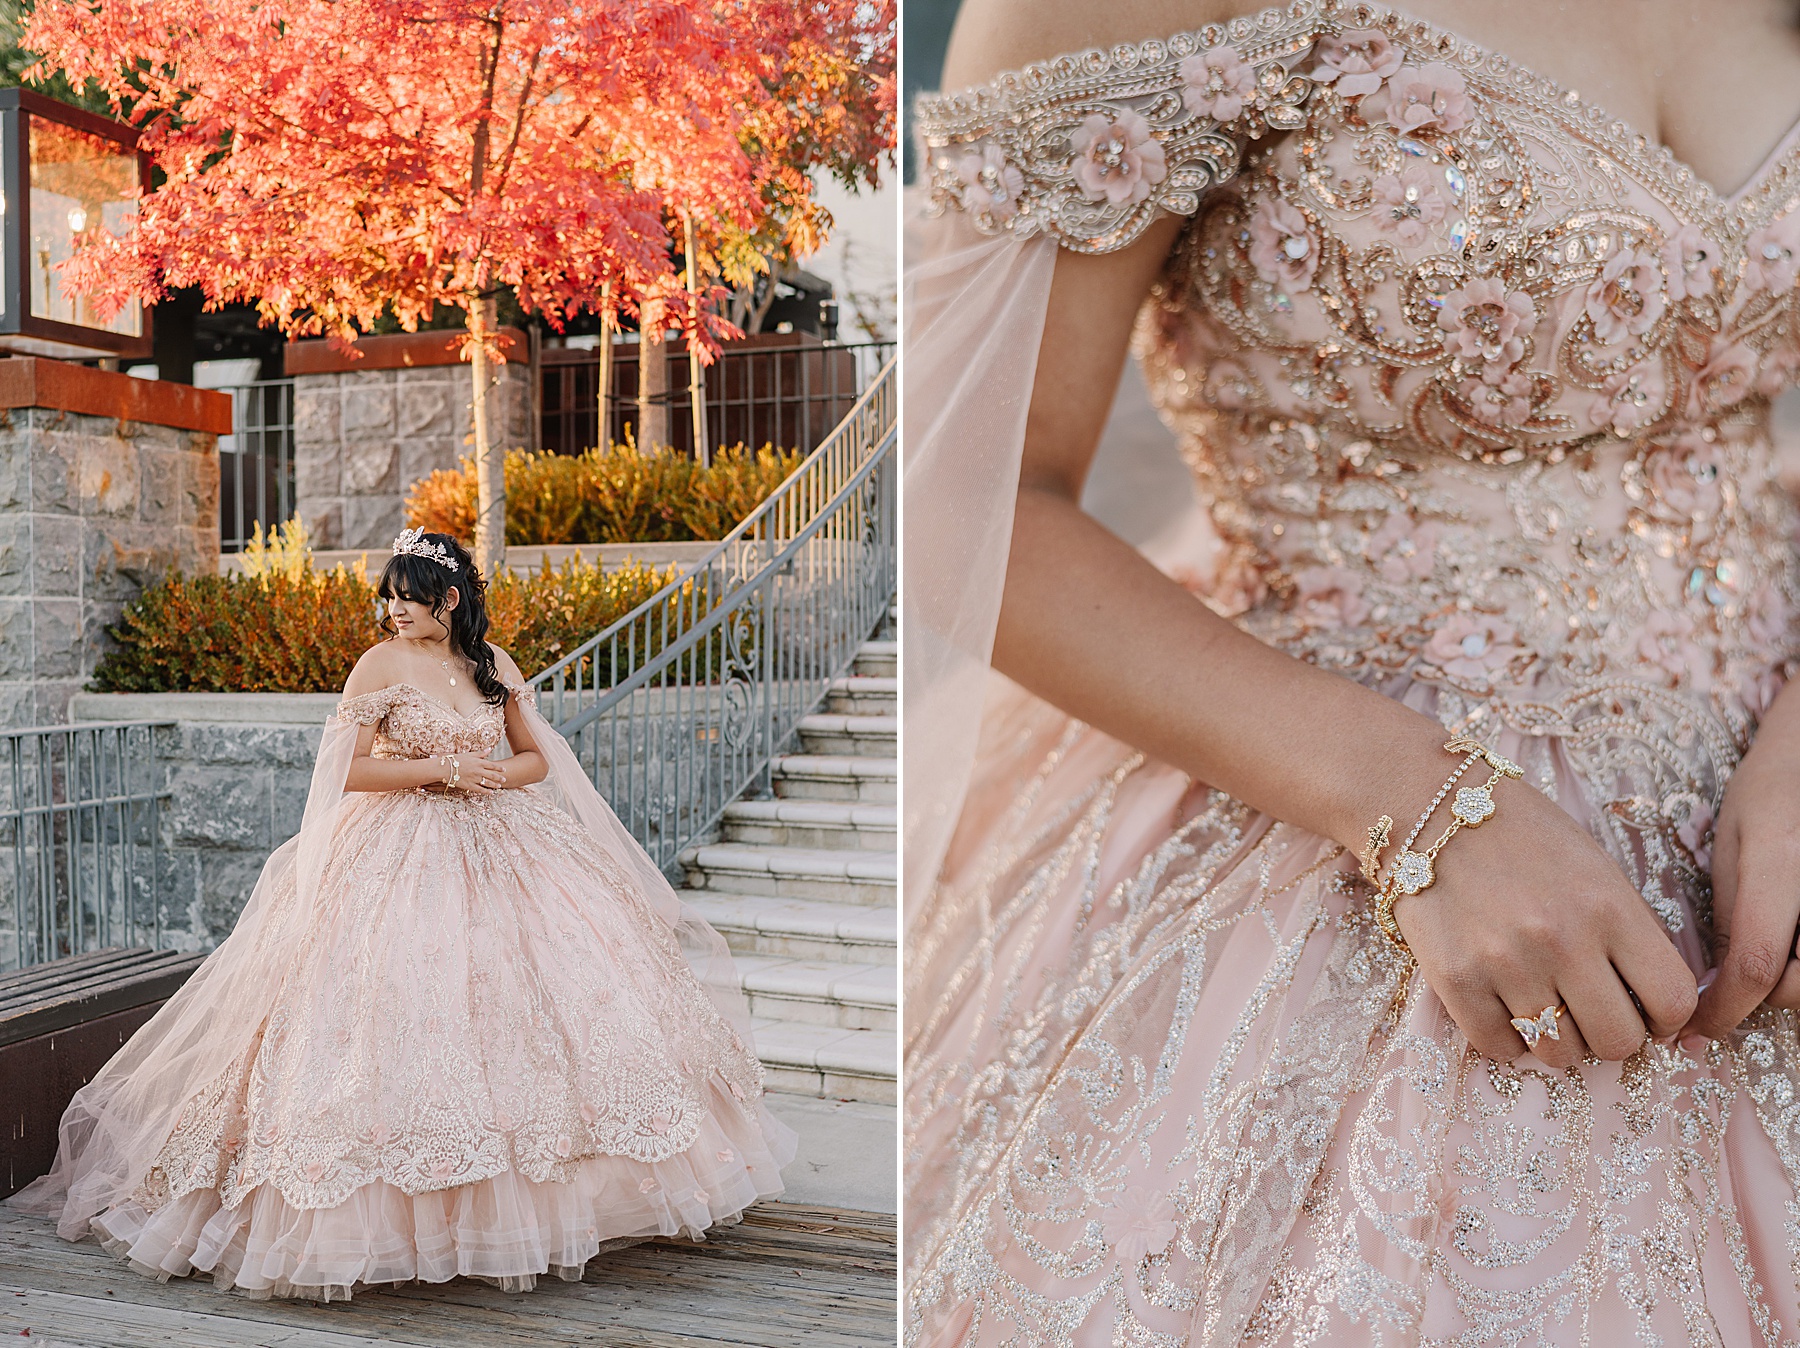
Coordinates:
<point>975,311</point>
<point>117,1124</point>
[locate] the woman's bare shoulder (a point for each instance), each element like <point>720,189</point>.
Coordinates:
<point>994,36</point>
<point>508,667</point>
<point>377,667</point>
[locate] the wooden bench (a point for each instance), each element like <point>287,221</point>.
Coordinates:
<point>59,1023</point>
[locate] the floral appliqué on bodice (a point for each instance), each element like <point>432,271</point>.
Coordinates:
<point>1474,381</point>
<point>421,1046</point>
<point>411,723</point>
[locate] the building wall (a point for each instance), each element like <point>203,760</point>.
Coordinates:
<point>92,509</point>
<point>363,437</point>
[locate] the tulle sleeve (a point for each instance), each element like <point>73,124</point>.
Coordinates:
<point>1082,152</point>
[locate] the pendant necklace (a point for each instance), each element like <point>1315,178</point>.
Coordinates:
<point>447,670</point>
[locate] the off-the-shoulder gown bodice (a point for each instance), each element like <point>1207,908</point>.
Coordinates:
<point>1476,385</point>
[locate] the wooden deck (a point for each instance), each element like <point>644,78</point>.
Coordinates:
<point>787,1275</point>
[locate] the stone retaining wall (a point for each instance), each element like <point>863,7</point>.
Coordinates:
<point>238,766</point>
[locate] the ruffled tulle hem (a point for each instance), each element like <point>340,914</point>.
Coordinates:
<point>507,1230</point>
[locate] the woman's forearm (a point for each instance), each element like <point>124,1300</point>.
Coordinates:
<point>1088,624</point>
<point>523,769</point>
<point>396,774</point>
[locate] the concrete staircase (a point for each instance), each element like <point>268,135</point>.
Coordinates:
<point>802,887</point>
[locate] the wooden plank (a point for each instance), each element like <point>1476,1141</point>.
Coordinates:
<point>73,996</point>
<point>788,1276</point>
<point>36,975</point>
<point>79,1321</point>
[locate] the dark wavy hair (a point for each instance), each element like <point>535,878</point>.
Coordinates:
<point>421,580</point>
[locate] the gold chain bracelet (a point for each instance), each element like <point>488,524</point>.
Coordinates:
<point>1414,872</point>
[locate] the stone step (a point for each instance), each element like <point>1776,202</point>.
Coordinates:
<point>857,736</point>
<point>877,659</point>
<point>808,929</point>
<point>862,696</point>
<point>821,992</point>
<point>835,777</point>
<point>839,824</point>
<point>834,874</point>
<point>822,1060</point>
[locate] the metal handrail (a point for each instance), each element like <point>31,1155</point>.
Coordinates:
<point>786,508</point>
<point>679,706</point>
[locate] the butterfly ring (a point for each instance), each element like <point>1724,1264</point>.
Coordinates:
<point>1543,1025</point>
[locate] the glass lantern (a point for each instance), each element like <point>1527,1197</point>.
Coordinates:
<point>65,174</point>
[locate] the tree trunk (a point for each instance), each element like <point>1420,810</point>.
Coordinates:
<point>696,371</point>
<point>653,379</point>
<point>603,429</point>
<point>490,460</point>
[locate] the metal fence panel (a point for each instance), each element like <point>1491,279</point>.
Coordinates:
<point>678,707</point>
<point>256,461</point>
<point>80,840</point>
<point>791,397</point>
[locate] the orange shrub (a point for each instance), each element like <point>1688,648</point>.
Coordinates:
<point>540,616</point>
<point>273,633</point>
<point>301,630</point>
<point>443,502</point>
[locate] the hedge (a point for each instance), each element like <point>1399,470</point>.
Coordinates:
<point>286,627</point>
<point>619,495</point>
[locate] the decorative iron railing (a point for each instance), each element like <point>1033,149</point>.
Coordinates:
<point>80,840</point>
<point>679,706</point>
<point>256,461</point>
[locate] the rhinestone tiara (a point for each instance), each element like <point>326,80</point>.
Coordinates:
<point>412,542</point>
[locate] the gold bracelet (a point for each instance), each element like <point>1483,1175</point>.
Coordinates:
<point>1369,859</point>
<point>1414,872</point>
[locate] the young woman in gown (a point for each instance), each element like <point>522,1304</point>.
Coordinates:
<point>1475,382</point>
<point>462,1027</point>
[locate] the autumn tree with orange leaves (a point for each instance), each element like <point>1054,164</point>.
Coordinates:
<point>329,160</point>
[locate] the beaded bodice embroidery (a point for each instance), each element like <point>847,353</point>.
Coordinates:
<point>413,724</point>
<point>1475,382</point>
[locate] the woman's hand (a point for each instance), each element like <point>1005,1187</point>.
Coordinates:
<point>482,775</point>
<point>1528,911</point>
<point>1756,879</point>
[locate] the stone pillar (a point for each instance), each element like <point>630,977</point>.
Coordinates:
<point>367,426</point>
<point>107,483</point>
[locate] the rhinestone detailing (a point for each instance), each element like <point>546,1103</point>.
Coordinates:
<point>413,543</point>
<point>1091,148</point>
<point>1543,1026</point>
<point>1474,805</point>
<point>1413,871</point>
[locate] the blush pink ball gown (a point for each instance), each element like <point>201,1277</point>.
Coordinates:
<point>450,1034</point>
<point>1475,383</point>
